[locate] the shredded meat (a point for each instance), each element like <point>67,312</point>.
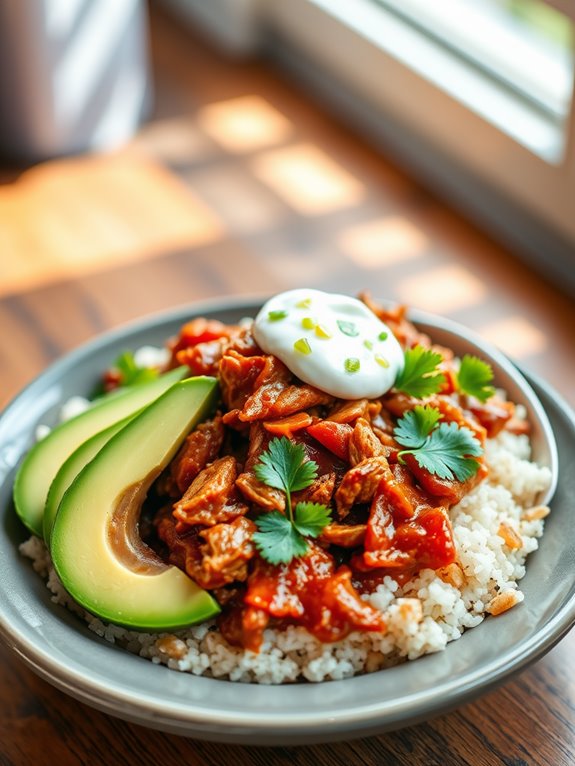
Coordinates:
<point>364,443</point>
<point>252,489</point>
<point>244,343</point>
<point>296,398</point>
<point>200,448</point>
<point>211,499</point>
<point>220,560</point>
<point>226,553</point>
<point>359,484</point>
<point>344,535</point>
<point>348,411</point>
<point>176,544</point>
<point>321,491</point>
<point>272,380</point>
<point>255,491</point>
<point>238,375</point>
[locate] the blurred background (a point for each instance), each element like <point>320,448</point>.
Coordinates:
<point>154,154</point>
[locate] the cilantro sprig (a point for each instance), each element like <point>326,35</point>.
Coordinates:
<point>282,537</point>
<point>125,372</point>
<point>420,376</point>
<point>444,449</point>
<point>475,378</point>
<point>130,373</point>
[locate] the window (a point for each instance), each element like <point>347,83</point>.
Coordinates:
<point>525,46</point>
<point>475,96</point>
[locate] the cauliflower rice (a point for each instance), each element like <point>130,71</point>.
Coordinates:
<point>495,527</point>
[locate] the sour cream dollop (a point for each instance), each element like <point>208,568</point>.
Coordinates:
<point>332,342</point>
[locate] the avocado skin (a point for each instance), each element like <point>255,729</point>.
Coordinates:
<point>108,583</point>
<point>43,461</point>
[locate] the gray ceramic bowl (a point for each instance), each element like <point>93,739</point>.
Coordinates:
<point>63,651</point>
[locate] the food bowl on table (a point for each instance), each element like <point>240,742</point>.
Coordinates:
<point>61,649</point>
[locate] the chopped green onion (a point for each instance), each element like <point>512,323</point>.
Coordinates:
<point>307,323</point>
<point>368,344</point>
<point>383,336</point>
<point>381,360</point>
<point>351,364</point>
<point>302,346</point>
<point>348,328</point>
<point>275,316</point>
<point>321,331</point>
<point>304,304</point>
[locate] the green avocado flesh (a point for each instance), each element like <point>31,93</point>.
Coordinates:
<point>42,463</point>
<point>95,545</point>
<point>72,467</point>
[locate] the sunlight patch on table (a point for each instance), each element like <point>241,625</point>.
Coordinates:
<point>515,335</point>
<point>382,242</point>
<point>177,140</point>
<point>244,124</point>
<point>308,179</point>
<point>76,216</point>
<point>238,198</point>
<point>442,290</point>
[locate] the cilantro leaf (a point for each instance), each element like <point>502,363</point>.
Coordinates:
<point>130,373</point>
<point>283,466</point>
<point>444,449</point>
<point>416,425</point>
<point>311,518</point>
<point>126,373</point>
<point>280,538</point>
<point>447,451</point>
<point>420,376</point>
<point>475,377</point>
<point>277,539</point>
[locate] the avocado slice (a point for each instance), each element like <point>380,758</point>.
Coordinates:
<point>44,459</point>
<point>95,546</point>
<point>72,466</point>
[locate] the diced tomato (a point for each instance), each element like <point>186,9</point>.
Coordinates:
<point>429,539</point>
<point>286,426</point>
<point>451,490</point>
<point>493,415</point>
<point>200,330</point>
<point>111,380</point>
<point>450,384</point>
<point>334,436</point>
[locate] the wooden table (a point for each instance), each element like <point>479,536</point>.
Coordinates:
<point>240,184</point>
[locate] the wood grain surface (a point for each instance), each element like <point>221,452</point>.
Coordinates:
<point>241,184</point>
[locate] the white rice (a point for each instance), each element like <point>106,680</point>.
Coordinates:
<point>151,356</point>
<point>422,616</point>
